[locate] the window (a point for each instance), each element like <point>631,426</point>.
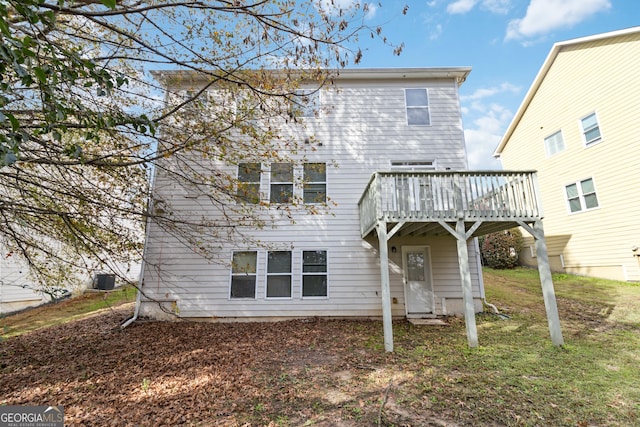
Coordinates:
<point>554,144</point>
<point>281,182</point>
<point>248,182</point>
<point>590,129</point>
<point>279,274</point>
<point>417,102</point>
<point>413,165</point>
<point>305,103</point>
<point>314,274</point>
<point>315,183</point>
<point>243,274</point>
<point>581,196</point>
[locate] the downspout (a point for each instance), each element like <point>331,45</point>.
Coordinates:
<point>483,296</point>
<point>136,310</point>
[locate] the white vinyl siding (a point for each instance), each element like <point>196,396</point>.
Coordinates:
<point>554,143</point>
<point>417,105</point>
<point>590,129</point>
<point>366,127</point>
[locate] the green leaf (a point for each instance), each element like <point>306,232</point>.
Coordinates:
<point>4,27</point>
<point>40,74</point>
<point>111,4</point>
<point>15,124</point>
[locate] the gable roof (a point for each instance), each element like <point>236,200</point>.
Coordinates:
<point>555,50</point>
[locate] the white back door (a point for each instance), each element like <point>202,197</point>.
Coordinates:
<point>419,297</point>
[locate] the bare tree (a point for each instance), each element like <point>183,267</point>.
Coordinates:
<point>83,123</point>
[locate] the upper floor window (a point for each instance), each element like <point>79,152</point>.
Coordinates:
<point>590,129</point>
<point>314,274</point>
<point>581,195</point>
<point>279,274</point>
<point>305,103</point>
<point>248,182</point>
<point>554,143</point>
<point>315,183</point>
<point>281,183</point>
<point>243,274</point>
<point>417,102</point>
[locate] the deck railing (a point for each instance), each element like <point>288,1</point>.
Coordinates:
<point>449,196</point>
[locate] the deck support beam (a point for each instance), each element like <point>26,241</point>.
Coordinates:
<point>548,292</point>
<point>462,235</point>
<point>387,319</point>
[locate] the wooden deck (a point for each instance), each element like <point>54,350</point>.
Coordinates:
<point>419,202</point>
<point>464,204</point>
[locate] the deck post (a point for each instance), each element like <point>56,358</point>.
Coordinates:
<point>546,281</point>
<point>387,320</point>
<point>467,291</point>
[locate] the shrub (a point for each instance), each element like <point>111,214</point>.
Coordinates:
<point>500,250</point>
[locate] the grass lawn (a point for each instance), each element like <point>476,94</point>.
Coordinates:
<point>336,373</point>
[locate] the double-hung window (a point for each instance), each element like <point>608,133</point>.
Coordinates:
<point>279,274</point>
<point>243,274</point>
<point>314,274</point>
<point>590,129</point>
<point>281,183</point>
<point>581,195</point>
<point>314,182</point>
<point>248,182</point>
<point>554,143</point>
<point>305,103</point>
<point>417,103</point>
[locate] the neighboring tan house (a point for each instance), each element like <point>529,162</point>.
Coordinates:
<point>579,127</point>
<point>399,237</point>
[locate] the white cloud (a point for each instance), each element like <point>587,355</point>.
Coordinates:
<point>371,12</point>
<point>491,91</point>
<point>484,135</point>
<point>485,132</point>
<point>497,6</point>
<point>544,16</point>
<point>493,6</point>
<point>461,6</point>
<point>435,32</point>
<point>480,148</point>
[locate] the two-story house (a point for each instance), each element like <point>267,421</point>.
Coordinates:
<point>395,236</point>
<point>578,127</point>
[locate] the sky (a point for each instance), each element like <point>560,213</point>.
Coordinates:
<point>504,41</point>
